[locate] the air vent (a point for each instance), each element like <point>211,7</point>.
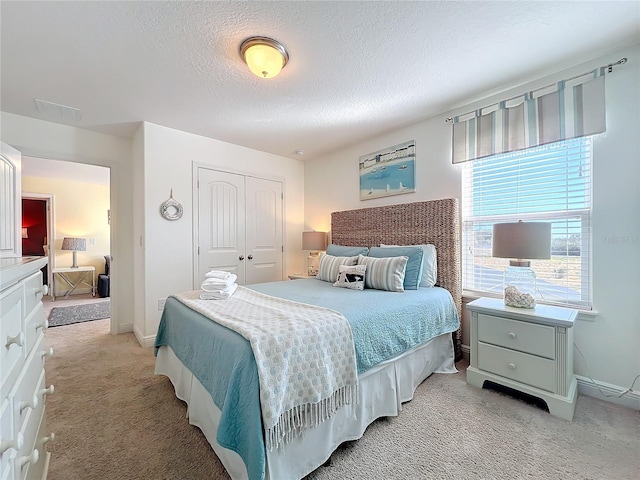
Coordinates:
<point>61,112</point>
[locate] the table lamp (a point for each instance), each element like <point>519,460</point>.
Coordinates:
<point>521,242</point>
<point>314,242</point>
<point>76,245</point>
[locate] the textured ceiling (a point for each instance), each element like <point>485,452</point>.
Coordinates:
<point>356,69</point>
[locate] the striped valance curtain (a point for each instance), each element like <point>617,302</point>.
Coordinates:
<point>568,109</point>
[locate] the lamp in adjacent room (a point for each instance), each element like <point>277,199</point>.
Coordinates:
<point>314,242</point>
<point>264,56</point>
<point>76,245</point>
<point>521,242</point>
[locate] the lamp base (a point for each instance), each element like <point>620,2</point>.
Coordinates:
<point>75,260</point>
<point>519,287</point>
<point>313,263</point>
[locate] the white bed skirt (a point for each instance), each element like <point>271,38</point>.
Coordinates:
<point>383,388</point>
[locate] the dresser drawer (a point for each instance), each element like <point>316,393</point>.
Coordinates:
<point>11,306</point>
<point>522,336</point>
<point>7,465</point>
<point>8,434</point>
<point>29,431</point>
<point>33,291</point>
<point>27,387</point>
<point>520,367</point>
<point>35,324</point>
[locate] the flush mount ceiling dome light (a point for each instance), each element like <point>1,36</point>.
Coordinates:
<point>264,56</point>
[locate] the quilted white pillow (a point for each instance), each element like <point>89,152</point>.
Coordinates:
<point>330,266</point>
<point>384,273</point>
<point>429,264</point>
<point>351,277</point>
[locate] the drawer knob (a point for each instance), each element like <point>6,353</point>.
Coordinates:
<point>32,403</point>
<point>512,335</point>
<point>33,458</point>
<point>48,439</point>
<point>17,340</point>
<point>44,324</point>
<point>42,290</point>
<point>15,444</point>
<point>47,353</point>
<point>512,366</point>
<point>46,391</point>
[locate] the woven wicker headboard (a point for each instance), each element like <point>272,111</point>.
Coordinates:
<point>435,221</point>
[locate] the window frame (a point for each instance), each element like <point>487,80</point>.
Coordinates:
<point>583,215</point>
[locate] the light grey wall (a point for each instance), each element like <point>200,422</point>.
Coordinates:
<point>610,340</point>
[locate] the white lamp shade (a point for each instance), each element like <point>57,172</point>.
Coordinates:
<point>314,240</point>
<point>75,244</point>
<point>522,240</point>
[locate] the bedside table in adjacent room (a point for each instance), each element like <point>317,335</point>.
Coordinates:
<point>297,276</point>
<point>528,350</point>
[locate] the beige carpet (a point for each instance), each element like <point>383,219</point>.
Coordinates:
<point>115,420</point>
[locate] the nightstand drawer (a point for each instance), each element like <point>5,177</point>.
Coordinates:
<point>528,369</point>
<point>522,336</point>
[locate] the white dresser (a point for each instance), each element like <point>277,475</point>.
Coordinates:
<point>529,350</point>
<point>23,391</point>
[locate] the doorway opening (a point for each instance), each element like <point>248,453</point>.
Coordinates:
<point>65,201</point>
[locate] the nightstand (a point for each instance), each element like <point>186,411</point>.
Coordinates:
<point>297,276</point>
<point>528,350</point>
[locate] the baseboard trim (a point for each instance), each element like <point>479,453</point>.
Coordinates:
<point>124,328</point>
<point>600,390</point>
<point>148,341</point>
<point>608,392</point>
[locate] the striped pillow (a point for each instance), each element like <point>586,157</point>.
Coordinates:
<point>330,266</point>
<point>384,273</point>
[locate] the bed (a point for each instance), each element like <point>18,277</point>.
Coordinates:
<point>224,396</point>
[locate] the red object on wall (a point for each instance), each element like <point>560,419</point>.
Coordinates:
<point>34,219</point>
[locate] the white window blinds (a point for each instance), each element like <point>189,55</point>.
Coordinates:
<point>551,183</point>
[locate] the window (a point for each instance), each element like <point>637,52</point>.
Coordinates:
<point>550,183</point>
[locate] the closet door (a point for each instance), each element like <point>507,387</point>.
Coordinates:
<point>264,230</point>
<point>10,202</point>
<point>239,226</point>
<point>221,223</point>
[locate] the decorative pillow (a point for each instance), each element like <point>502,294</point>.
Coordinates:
<point>429,263</point>
<point>344,251</point>
<point>351,277</point>
<point>413,272</point>
<point>384,273</point>
<point>330,266</point>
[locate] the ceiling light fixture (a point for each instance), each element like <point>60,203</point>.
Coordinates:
<point>264,56</point>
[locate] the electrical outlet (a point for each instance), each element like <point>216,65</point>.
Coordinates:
<point>92,241</point>
<point>161,303</point>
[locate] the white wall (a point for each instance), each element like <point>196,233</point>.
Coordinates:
<point>38,138</point>
<point>610,342</point>
<point>169,156</point>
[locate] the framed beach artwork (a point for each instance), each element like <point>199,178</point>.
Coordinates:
<point>391,171</point>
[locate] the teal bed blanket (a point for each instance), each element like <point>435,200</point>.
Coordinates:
<point>384,324</point>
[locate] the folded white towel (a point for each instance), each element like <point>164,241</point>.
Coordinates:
<point>220,294</point>
<point>213,284</point>
<point>220,274</point>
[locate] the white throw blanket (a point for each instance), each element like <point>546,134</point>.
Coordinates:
<point>305,356</point>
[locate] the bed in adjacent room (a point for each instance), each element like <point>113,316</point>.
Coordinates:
<point>282,373</point>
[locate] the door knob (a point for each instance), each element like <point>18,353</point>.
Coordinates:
<point>241,257</point>
<point>250,257</point>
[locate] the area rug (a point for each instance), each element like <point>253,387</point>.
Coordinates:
<point>79,313</point>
